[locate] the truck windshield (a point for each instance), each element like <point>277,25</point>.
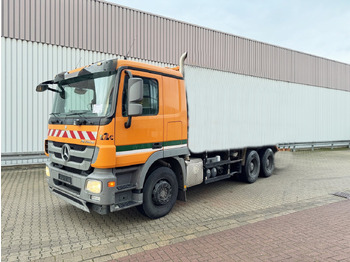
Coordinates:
<point>90,96</point>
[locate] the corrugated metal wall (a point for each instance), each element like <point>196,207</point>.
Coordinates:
<point>108,28</point>
<point>25,112</point>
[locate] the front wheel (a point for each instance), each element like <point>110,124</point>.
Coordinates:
<point>159,193</point>
<point>252,167</point>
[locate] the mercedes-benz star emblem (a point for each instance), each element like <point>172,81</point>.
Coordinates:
<point>65,152</point>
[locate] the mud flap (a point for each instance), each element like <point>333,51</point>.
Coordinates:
<point>182,195</point>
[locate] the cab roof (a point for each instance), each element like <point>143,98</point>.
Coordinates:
<point>113,65</point>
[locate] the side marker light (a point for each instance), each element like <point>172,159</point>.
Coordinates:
<point>111,184</point>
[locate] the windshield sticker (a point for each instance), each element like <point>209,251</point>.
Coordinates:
<point>97,108</point>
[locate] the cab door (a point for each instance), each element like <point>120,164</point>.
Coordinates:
<point>135,144</point>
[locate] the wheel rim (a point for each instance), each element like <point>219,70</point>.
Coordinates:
<point>269,163</point>
<point>161,193</point>
<point>252,166</point>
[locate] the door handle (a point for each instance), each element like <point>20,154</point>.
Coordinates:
<point>157,146</point>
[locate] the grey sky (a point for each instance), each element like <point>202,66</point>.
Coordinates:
<point>318,27</point>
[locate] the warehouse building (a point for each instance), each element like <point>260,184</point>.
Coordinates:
<point>42,38</point>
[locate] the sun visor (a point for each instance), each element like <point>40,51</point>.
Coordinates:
<point>103,67</point>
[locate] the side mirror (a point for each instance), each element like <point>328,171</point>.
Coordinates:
<point>135,96</point>
<point>45,86</point>
<point>42,87</point>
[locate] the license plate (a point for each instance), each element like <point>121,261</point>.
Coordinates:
<point>64,178</point>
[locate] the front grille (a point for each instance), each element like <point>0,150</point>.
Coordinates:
<point>80,156</point>
<point>58,155</point>
<point>72,158</point>
<point>74,170</point>
<point>72,146</point>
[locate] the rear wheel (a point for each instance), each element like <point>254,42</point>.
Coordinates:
<point>252,167</point>
<point>267,163</point>
<point>159,193</point>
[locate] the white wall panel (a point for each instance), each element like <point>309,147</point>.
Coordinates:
<point>228,110</point>
<point>24,112</point>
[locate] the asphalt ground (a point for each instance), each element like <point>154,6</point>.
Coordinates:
<point>38,226</point>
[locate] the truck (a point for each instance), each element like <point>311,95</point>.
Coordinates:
<point>127,134</point>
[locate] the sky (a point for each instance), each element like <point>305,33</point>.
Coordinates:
<point>317,27</point>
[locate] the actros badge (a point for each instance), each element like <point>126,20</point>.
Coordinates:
<point>106,136</point>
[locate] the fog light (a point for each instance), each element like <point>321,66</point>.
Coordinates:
<point>94,186</point>
<point>95,198</point>
<point>47,170</point>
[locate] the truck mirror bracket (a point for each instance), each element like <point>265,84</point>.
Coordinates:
<point>127,124</point>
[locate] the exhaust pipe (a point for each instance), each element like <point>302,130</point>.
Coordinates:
<point>181,63</point>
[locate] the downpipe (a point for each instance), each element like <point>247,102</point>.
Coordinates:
<point>181,62</point>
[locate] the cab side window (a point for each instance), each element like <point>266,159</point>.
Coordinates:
<point>150,102</point>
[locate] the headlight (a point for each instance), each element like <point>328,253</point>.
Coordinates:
<point>47,170</point>
<point>94,186</point>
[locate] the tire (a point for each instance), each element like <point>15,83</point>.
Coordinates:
<point>159,193</point>
<point>267,163</point>
<point>252,167</point>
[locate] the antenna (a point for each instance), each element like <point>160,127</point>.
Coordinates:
<point>127,54</point>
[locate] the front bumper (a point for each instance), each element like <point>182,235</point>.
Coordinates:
<point>71,187</point>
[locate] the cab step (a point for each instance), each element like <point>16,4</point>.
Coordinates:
<point>126,187</point>
<point>125,205</point>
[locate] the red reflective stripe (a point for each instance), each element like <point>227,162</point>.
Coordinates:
<point>81,135</point>
<point>91,136</point>
<point>72,134</point>
<point>65,134</point>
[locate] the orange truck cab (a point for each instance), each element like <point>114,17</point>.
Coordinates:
<point>117,138</point>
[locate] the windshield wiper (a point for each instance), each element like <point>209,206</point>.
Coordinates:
<point>80,113</point>
<point>56,120</point>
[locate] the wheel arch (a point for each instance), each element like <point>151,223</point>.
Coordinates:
<point>176,163</point>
